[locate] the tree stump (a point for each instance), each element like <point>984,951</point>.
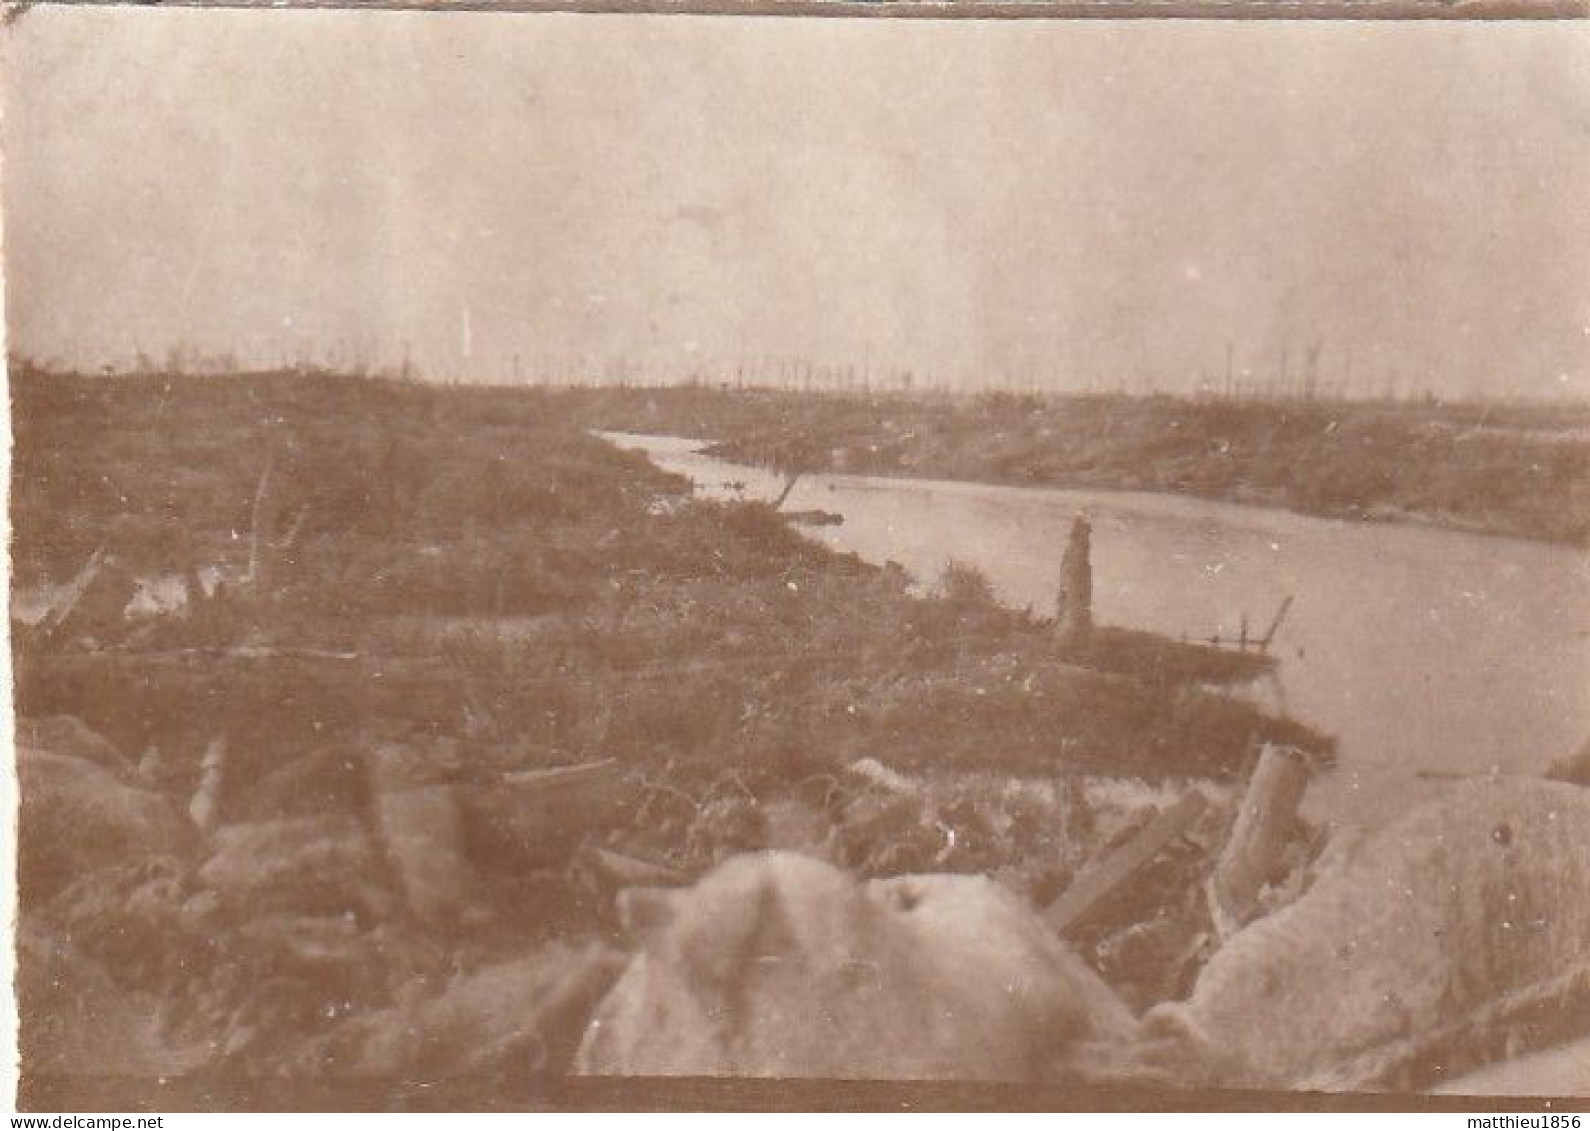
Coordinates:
<point>1075,612</point>
<point>1256,854</point>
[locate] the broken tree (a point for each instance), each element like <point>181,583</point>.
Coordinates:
<point>1074,615</point>
<point>1261,850</point>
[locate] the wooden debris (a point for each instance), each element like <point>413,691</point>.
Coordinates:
<point>1275,624</point>
<point>205,806</point>
<point>93,604</point>
<point>815,518</point>
<point>540,817</point>
<point>621,870</point>
<point>1257,854</point>
<point>789,485</point>
<point>67,599</point>
<point>882,776</point>
<point>68,734</point>
<point>1075,608</point>
<point>422,830</point>
<point>584,775</point>
<point>1122,864</point>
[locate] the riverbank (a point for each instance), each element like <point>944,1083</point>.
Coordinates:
<point>350,689</point>
<point>1519,471</point>
<point>1424,652</point>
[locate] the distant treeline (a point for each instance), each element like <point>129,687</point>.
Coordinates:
<point>1518,469</point>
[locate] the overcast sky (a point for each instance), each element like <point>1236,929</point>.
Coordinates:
<point>1076,201</point>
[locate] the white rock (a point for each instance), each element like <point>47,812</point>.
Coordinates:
<point>778,965</point>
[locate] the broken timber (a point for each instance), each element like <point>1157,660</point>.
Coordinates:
<point>1074,608</point>
<point>542,816</point>
<point>1262,643</point>
<point>422,830</point>
<point>61,608</point>
<point>1275,624</point>
<point>621,870</point>
<point>205,806</point>
<point>1256,853</point>
<point>1120,865</point>
<point>565,777</point>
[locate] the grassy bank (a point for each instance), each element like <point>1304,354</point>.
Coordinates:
<point>466,586</point>
<point>1522,471</point>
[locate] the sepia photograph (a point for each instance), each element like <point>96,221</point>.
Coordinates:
<point>570,561</point>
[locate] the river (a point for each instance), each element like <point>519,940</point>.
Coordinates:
<point>1429,654</point>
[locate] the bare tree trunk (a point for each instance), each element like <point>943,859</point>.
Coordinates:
<point>1075,614</point>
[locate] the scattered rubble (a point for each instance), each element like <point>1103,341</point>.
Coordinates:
<point>74,1017</point>
<point>80,817</point>
<point>330,779</point>
<point>311,802</point>
<point>324,865</point>
<point>127,915</point>
<point>422,831</point>
<point>520,1019</point>
<point>1449,941</point>
<point>70,736</point>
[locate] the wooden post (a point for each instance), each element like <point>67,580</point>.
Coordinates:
<point>61,609</point>
<point>262,536</point>
<point>205,806</point>
<point>1075,612</point>
<point>1255,854</point>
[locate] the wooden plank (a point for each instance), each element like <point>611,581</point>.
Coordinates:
<point>622,870</point>
<point>883,777</point>
<point>66,600</point>
<point>563,777</point>
<point>1124,862</point>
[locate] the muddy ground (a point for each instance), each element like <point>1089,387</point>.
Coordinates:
<point>342,700</point>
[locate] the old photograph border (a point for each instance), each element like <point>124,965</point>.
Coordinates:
<point>44,1092</point>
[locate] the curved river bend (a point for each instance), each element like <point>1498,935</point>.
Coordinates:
<point>1429,654</point>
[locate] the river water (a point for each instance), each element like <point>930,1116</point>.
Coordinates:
<point>1429,654</point>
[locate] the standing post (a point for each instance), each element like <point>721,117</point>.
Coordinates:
<point>1257,854</point>
<point>205,805</point>
<point>1075,613</point>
